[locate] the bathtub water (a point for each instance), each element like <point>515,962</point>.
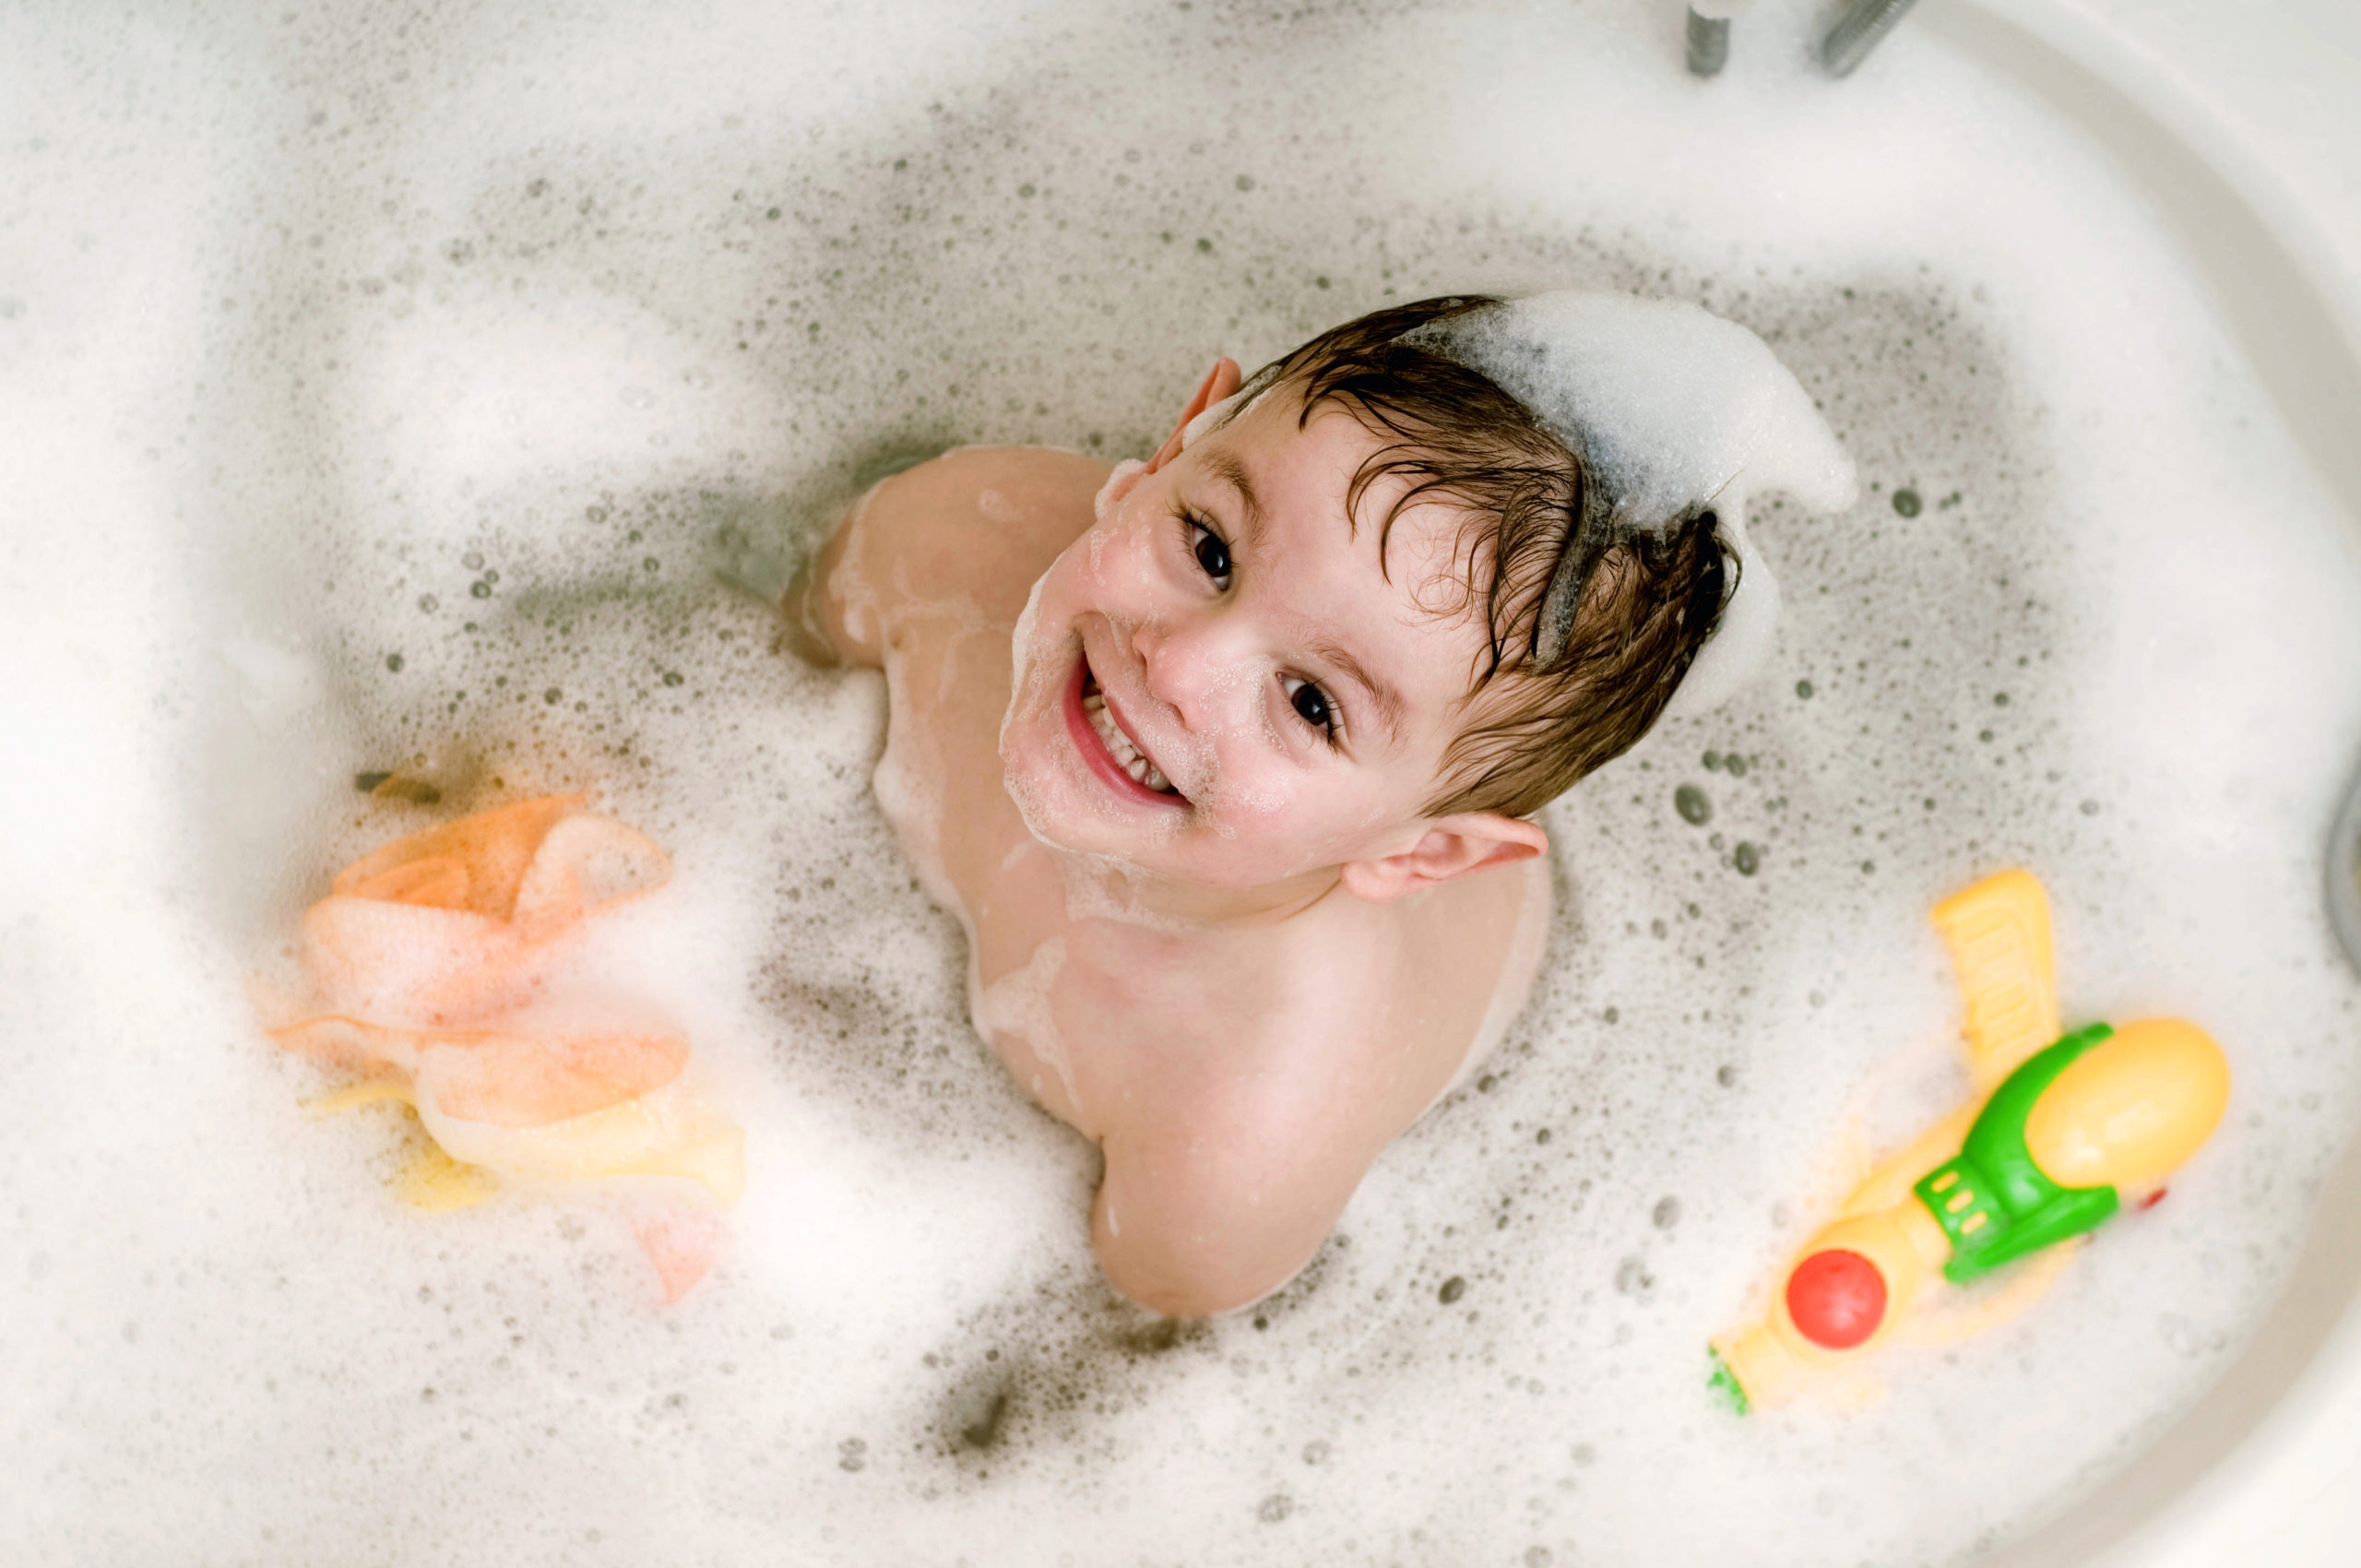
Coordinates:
<point>397,391</point>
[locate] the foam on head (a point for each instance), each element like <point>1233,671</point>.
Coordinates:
<point>1672,411</point>
<point>1214,415</point>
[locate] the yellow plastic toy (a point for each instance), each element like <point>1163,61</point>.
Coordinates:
<point>2062,1131</point>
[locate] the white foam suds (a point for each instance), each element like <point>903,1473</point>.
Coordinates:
<point>1018,1006</point>
<point>1672,406</point>
<point>1672,409</point>
<point>383,390</point>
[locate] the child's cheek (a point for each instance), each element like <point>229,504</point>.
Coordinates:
<point>1254,797</point>
<point>1116,565</point>
<point>1295,820</point>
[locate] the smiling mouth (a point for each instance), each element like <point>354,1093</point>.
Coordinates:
<point>1111,752</point>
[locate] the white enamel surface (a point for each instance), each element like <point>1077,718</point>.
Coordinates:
<point>2263,93</point>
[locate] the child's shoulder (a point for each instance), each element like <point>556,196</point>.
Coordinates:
<point>982,519</point>
<point>1006,486</point>
<point>976,525</point>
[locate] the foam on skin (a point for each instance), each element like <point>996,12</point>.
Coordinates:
<point>307,322</point>
<point>1018,1004</point>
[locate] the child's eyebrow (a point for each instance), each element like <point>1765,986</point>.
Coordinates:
<point>1226,466</point>
<point>1384,698</point>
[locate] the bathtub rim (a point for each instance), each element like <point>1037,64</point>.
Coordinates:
<point>2297,318</point>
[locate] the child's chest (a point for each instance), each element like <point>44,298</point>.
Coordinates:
<point>1357,1014</point>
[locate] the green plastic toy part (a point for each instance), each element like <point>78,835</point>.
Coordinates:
<point>1724,1382</point>
<point>1994,1203</point>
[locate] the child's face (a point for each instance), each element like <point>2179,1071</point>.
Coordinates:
<point>1223,681</point>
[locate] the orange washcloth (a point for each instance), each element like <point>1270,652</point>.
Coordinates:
<point>432,959</point>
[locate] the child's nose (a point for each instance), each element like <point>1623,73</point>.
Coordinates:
<point>1200,666</point>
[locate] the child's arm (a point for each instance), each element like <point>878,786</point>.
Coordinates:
<point>823,628</point>
<point>971,528</point>
<point>1190,1222</point>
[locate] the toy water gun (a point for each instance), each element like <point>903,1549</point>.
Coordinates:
<point>2065,1129</point>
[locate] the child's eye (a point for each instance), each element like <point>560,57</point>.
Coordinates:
<point>1312,706</point>
<point>1211,552</point>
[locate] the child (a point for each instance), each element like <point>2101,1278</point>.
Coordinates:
<point>1227,761</point>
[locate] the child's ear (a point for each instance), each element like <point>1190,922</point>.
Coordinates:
<point>1219,383</point>
<point>1451,846</point>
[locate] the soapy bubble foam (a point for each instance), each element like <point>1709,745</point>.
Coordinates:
<point>417,336</point>
<point>1673,410</point>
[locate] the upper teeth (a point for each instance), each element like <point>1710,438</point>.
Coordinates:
<point>1119,745</point>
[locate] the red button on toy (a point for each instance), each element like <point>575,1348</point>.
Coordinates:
<point>1836,1297</point>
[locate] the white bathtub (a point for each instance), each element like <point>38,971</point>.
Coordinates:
<point>2258,185</point>
<point>2238,122</point>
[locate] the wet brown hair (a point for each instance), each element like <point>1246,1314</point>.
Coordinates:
<point>1536,721</point>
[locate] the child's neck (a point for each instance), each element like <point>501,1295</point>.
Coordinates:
<point>1103,888</point>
